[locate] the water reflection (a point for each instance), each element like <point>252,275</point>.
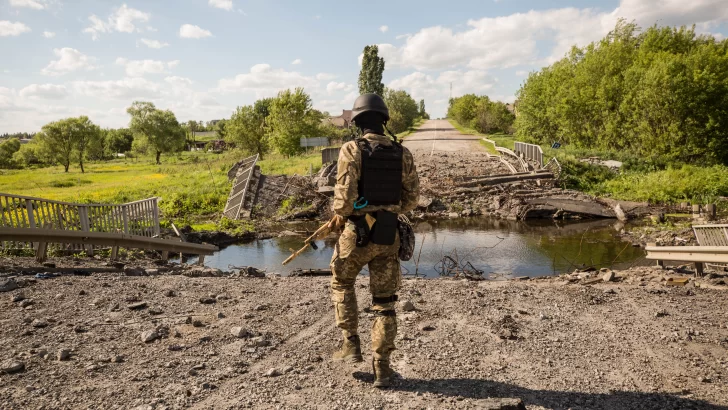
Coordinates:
<point>494,246</point>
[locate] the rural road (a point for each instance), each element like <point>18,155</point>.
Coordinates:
<point>440,135</point>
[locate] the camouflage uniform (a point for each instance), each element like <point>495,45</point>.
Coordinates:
<point>348,260</point>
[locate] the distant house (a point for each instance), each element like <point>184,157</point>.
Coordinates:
<point>341,121</point>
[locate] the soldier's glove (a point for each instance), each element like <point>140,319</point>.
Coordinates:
<point>337,222</point>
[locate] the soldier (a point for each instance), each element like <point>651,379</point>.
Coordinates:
<point>376,182</point>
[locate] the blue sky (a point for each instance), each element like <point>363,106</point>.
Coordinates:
<point>202,58</point>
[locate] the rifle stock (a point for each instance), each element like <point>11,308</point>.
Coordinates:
<point>322,232</point>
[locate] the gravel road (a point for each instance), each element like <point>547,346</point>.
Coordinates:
<point>167,342</point>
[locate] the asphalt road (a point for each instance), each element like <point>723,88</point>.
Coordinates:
<point>440,135</point>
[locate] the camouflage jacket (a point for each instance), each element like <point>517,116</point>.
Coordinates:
<point>347,180</point>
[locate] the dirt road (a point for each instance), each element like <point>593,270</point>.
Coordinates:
<point>630,345</point>
<point>440,135</point>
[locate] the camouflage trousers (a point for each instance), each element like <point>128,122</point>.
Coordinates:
<point>385,280</point>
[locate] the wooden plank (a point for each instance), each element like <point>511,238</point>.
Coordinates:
<point>575,206</point>
<point>104,239</point>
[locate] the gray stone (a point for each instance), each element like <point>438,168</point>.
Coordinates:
<point>240,332</point>
<point>149,336</point>
<point>608,276</point>
<point>134,272</point>
<point>169,293</point>
<point>12,366</point>
<point>260,307</point>
<point>25,303</point>
<point>272,373</point>
<point>8,285</point>
<point>17,297</point>
<point>63,355</point>
<point>501,404</point>
<point>408,306</point>
<point>118,359</point>
<point>39,323</point>
<point>208,301</point>
<point>259,342</point>
<point>152,272</point>
<point>453,215</point>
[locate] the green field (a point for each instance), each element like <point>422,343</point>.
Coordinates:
<point>192,186</point>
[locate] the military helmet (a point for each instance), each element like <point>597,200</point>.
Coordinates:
<point>367,103</point>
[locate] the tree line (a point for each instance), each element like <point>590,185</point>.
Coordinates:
<point>661,94</point>
<point>481,114</point>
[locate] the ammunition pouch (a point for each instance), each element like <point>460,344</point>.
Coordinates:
<point>384,231</point>
<point>385,313</point>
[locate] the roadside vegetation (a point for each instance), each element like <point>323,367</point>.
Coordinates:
<point>655,100</point>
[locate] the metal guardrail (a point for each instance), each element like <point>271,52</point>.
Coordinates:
<point>17,211</point>
<point>245,172</point>
<point>530,151</point>
<point>89,239</point>
<point>696,254</point>
<point>554,166</point>
<point>329,155</point>
<point>711,235</point>
<point>521,161</point>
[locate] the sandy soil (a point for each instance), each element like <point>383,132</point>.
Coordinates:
<point>265,343</point>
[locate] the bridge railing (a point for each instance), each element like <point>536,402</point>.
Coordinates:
<point>136,218</point>
<point>530,151</point>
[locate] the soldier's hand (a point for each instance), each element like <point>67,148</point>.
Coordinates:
<point>337,222</point>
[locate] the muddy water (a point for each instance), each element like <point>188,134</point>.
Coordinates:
<point>498,248</point>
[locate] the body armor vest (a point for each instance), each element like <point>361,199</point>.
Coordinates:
<point>381,172</point>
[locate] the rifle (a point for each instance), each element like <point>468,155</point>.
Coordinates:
<point>321,233</point>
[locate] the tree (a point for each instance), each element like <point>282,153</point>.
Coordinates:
<point>372,69</point>
<point>422,112</point>
<point>83,132</point>
<point>403,110</point>
<point>246,129</point>
<point>7,150</point>
<point>65,138</point>
<point>221,129</point>
<point>160,128</point>
<point>292,118</point>
<point>29,154</point>
<point>97,148</point>
<point>119,140</point>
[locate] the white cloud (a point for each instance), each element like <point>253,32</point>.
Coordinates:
<point>333,87</point>
<point>124,20</point>
<point>124,89</point>
<point>521,73</point>
<point>384,29</point>
<point>538,37</point>
<point>191,31</point>
<point>69,60</point>
<point>49,34</point>
<point>179,82</point>
<point>266,81</point>
<point>139,68</point>
<point>31,4</point>
<point>222,4</point>
<point>325,76</point>
<point>44,91</point>
<point>297,61</point>
<point>10,29</point>
<point>153,43</point>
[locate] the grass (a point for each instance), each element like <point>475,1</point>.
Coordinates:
<point>193,186</point>
<point>502,140</point>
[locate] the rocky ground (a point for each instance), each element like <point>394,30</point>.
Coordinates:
<point>114,341</point>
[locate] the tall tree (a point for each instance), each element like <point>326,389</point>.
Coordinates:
<point>422,112</point>
<point>372,69</point>
<point>291,118</point>
<point>246,128</point>
<point>160,128</point>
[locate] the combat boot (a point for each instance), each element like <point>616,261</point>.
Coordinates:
<point>350,350</point>
<point>383,374</point>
